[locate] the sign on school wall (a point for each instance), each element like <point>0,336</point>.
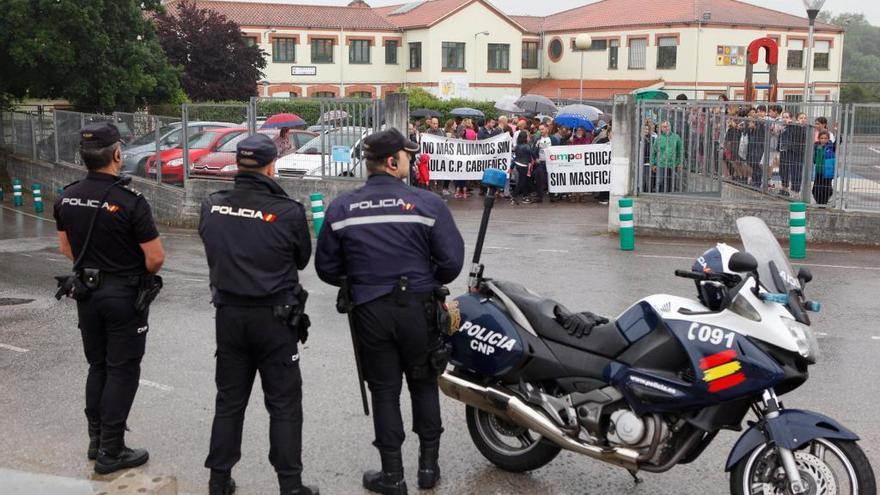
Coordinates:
<point>582,168</point>
<point>459,159</point>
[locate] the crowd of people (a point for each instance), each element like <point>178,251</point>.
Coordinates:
<point>531,138</point>
<point>738,143</point>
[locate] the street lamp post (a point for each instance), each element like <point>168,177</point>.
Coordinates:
<point>582,43</point>
<point>813,7</point>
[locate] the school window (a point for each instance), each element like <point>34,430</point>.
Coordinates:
<point>613,45</point>
<point>638,50</point>
<point>820,55</point>
<point>359,52</point>
<point>499,56</point>
<point>391,51</point>
<point>666,52</point>
<point>324,94</point>
<point>530,55</point>
<point>795,54</point>
<point>249,40</point>
<point>598,45</point>
<point>322,51</point>
<point>453,55</point>
<point>555,50</point>
<point>415,56</point>
<point>284,50</point>
<point>360,94</point>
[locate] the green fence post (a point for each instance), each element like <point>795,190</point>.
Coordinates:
<point>38,197</point>
<point>627,227</point>
<point>317,211</point>
<point>16,192</point>
<point>797,240</point>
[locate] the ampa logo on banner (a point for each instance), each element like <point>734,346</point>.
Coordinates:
<point>581,168</point>
<point>459,159</point>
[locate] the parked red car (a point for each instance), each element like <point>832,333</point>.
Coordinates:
<point>220,164</point>
<point>200,144</point>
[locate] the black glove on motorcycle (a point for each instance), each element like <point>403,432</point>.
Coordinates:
<point>578,324</point>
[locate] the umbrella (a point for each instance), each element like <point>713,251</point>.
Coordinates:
<point>536,104</point>
<point>334,115</point>
<point>280,120</point>
<point>423,113</point>
<point>590,112</point>
<point>573,121</point>
<point>508,104</point>
<point>467,112</point>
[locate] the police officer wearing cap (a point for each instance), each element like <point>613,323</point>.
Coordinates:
<point>396,245</point>
<point>109,233</point>
<point>256,238</point>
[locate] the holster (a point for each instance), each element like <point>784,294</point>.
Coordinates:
<point>439,350</point>
<point>294,315</point>
<point>148,290</point>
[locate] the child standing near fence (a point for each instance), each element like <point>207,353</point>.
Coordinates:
<point>823,168</point>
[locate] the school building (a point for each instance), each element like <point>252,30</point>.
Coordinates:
<point>471,49</point>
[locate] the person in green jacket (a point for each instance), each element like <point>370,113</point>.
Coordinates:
<point>667,156</point>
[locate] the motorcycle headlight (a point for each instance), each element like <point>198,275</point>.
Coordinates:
<point>175,162</point>
<point>806,342</point>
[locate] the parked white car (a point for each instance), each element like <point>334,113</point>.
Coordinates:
<point>307,160</point>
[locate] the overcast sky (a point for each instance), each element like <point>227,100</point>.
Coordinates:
<point>871,8</point>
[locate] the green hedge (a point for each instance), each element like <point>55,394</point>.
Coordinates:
<point>419,98</point>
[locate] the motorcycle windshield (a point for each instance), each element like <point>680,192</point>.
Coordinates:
<point>773,266</point>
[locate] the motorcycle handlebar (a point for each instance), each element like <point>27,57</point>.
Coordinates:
<point>691,275</point>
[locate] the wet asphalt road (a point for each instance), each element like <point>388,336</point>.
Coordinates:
<point>561,251</point>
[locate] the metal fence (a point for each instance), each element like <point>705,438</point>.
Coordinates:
<point>721,149</point>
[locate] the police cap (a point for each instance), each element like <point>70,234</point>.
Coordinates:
<point>99,135</point>
<point>387,143</point>
<point>255,151</point>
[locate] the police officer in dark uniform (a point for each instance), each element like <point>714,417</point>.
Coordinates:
<point>395,244</point>
<point>110,233</point>
<point>256,237</point>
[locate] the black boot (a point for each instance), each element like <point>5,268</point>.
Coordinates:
<point>114,455</point>
<point>390,480</point>
<point>292,485</point>
<point>429,468</point>
<point>221,483</point>
<point>94,438</point>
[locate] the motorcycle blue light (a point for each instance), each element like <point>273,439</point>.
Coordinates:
<point>814,306</point>
<point>777,298</point>
<point>492,177</point>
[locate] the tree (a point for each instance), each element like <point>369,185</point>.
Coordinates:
<point>101,55</point>
<point>861,57</point>
<point>217,64</point>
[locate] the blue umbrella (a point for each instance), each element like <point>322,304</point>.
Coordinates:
<point>573,121</point>
<point>467,112</point>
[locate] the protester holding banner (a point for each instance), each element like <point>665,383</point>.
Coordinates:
<point>539,173</point>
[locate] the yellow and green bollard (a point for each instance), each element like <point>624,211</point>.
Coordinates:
<point>38,197</point>
<point>317,200</point>
<point>17,200</point>
<point>797,222</point>
<point>627,226</point>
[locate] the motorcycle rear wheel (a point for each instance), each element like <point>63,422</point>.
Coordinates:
<point>826,466</point>
<point>491,435</point>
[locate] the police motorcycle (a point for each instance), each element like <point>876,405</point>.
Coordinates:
<point>653,388</point>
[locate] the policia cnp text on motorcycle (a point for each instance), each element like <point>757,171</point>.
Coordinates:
<point>396,245</point>
<point>109,232</point>
<point>256,238</point>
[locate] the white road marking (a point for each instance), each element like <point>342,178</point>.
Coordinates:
<point>195,279</point>
<point>13,348</point>
<point>829,251</point>
<point>28,214</point>
<point>875,337</point>
<point>148,383</point>
<point>552,251</point>
<point>875,150</point>
<point>497,247</point>
<point>28,255</point>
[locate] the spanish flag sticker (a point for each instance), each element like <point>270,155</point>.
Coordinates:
<point>270,217</point>
<point>722,371</point>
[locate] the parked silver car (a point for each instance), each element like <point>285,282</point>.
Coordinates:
<point>135,154</point>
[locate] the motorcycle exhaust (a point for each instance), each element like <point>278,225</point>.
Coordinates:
<point>512,409</point>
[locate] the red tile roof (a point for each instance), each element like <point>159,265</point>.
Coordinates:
<point>430,12</point>
<point>294,15</point>
<point>532,24</point>
<point>593,89</point>
<point>618,13</point>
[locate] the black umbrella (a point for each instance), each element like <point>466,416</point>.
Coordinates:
<point>536,104</point>
<point>467,112</point>
<point>423,113</point>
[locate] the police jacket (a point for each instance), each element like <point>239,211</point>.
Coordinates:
<point>124,222</point>
<point>256,237</point>
<point>386,230</point>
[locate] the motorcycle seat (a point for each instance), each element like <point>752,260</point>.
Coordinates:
<point>605,340</point>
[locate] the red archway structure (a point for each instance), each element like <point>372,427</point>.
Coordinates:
<point>771,56</point>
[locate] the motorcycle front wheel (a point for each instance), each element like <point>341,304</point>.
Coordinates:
<point>827,467</point>
<point>510,447</point>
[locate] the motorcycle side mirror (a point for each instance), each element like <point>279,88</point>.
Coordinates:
<point>742,263</point>
<point>804,276</point>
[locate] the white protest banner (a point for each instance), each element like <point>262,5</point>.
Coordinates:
<point>459,159</point>
<point>581,168</point>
